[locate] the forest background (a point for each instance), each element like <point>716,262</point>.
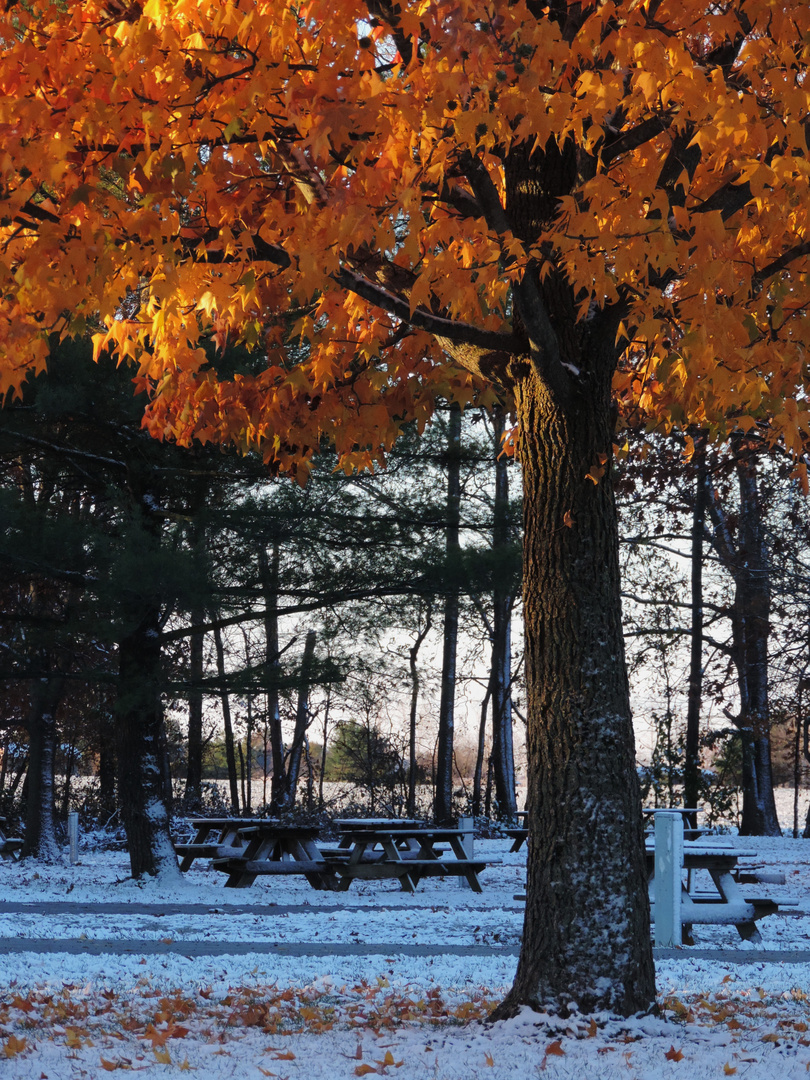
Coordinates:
<point>319,640</point>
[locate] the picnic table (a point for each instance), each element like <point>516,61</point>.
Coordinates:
<point>272,848</point>
<point>730,904</point>
<point>9,845</point>
<point>402,850</point>
<point>214,837</point>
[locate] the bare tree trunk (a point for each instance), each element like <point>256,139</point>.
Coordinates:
<point>503,758</point>
<point>230,753</point>
<point>747,561</point>
<point>691,787</point>
<point>195,713</point>
<point>269,570</point>
<point>413,654</point>
<point>480,752</point>
<point>301,718</point>
<point>443,797</point>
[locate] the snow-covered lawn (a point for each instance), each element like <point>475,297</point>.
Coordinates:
<point>387,1013</point>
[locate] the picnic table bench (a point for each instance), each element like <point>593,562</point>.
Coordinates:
<point>10,846</point>
<point>202,846</point>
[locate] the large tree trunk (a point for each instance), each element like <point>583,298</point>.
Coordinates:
<point>586,937</point>
<point>503,761</point>
<point>140,745</point>
<point>40,832</point>
<point>443,798</point>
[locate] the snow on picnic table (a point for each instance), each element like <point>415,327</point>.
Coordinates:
<point>257,1014</point>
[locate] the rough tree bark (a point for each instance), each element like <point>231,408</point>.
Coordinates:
<point>139,731</point>
<point>443,796</point>
<point>40,832</point>
<point>584,941</point>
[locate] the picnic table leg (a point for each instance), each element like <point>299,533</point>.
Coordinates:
<point>307,850</point>
<point>254,849</point>
<point>345,878</point>
<point>200,838</point>
<point>460,852</point>
<point>408,880</point>
<point>730,890</point>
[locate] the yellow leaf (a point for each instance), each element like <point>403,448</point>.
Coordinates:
<point>364,1070</point>
<point>110,1066</point>
<point>490,1060</point>
<point>184,1066</point>
<point>729,1070</point>
<point>163,1057</point>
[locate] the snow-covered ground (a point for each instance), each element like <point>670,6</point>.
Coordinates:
<point>387,1012</point>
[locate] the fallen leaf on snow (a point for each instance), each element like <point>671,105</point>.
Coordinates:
<point>673,1055</point>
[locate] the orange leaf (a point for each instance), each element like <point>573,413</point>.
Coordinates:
<point>287,1056</point>
<point>555,1049</point>
<point>593,1029</point>
<point>110,1066</point>
<point>568,520</point>
<point>729,1070</point>
<point>490,1060</point>
<point>364,1070</point>
<point>673,1055</point>
<point>13,1046</point>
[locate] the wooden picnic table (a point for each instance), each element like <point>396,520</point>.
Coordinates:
<point>214,837</point>
<point>731,904</point>
<point>403,851</point>
<point>271,848</point>
<point>9,845</point>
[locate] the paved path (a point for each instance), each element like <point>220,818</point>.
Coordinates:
<point>67,907</point>
<point>129,947</point>
<point>124,947</point>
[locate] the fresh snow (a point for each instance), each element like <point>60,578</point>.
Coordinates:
<point>384,1012</point>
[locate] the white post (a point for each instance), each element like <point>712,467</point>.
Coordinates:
<point>73,836</point>
<point>466,825</point>
<point>667,880</point>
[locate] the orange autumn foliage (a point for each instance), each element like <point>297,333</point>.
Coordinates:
<point>324,183</point>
